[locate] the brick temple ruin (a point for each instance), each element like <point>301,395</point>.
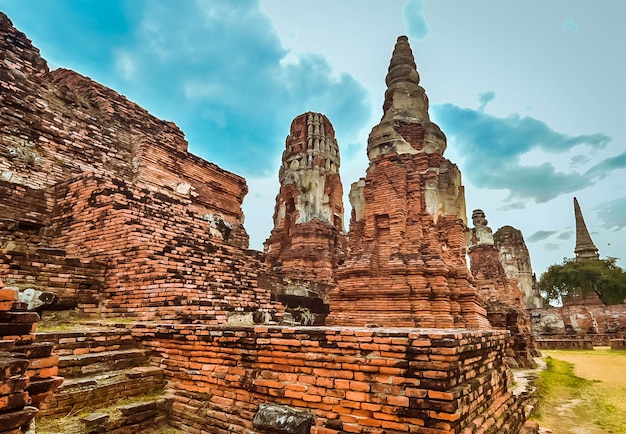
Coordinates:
<point>503,298</point>
<point>106,216</point>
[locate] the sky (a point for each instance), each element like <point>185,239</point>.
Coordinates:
<point>530,94</point>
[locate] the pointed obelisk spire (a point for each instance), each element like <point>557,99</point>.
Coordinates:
<point>585,248</point>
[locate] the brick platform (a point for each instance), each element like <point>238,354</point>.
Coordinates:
<point>108,210</point>
<point>352,379</point>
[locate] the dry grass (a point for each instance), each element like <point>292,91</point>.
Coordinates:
<point>71,424</point>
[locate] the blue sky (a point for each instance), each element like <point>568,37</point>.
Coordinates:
<point>530,94</point>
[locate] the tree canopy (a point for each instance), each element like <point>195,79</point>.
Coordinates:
<point>582,277</point>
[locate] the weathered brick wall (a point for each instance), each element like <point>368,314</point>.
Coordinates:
<point>27,259</point>
<point>598,323</point>
<point>351,379</point>
<point>163,261</point>
<point>77,283</point>
<point>565,344</point>
<point>24,214</point>
<point>617,344</point>
<point>504,302</point>
<point>57,125</point>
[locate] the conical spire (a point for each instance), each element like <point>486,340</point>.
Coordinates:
<point>405,103</point>
<point>585,248</point>
<point>402,66</point>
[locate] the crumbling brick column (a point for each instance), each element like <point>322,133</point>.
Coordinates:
<point>27,369</point>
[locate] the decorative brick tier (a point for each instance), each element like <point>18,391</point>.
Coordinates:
<point>351,379</point>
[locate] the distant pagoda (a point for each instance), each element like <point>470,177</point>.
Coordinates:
<point>585,248</point>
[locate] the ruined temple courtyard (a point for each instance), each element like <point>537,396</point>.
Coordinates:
<point>127,282</point>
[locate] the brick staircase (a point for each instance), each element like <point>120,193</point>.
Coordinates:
<point>108,378</point>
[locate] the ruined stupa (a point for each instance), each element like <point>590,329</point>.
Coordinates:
<point>406,265</point>
<point>502,296</point>
<point>585,248</point>
<point>515,259</point>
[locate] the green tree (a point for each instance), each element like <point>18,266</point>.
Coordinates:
<point>579,278</point>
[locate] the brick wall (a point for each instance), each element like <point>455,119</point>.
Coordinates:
<point>163,261</point>
<point>60,124</point>
<point>28,258</point>
<point>565,344</point>
<point>77,283</point>
<point>598,323</point>
<point>351,379</point>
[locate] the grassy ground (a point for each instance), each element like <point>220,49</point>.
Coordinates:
<point>583,392</point>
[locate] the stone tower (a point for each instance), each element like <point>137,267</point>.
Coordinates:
<point>515,259</point>
<point>308,241</point>
<point>406,265</point>
<point>585,248</point>
<point>502,296</point>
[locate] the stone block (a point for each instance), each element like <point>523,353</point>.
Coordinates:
<point>283,419</point>
<point>139,407</point>
<point>18,418</point>
<point>95,420</point>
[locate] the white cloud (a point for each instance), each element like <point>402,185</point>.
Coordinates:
<point>414,20</point>
<point>195,89</point>
<point>125,64</point>
<point>570,24</point>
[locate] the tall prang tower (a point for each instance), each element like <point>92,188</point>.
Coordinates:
<point>406,265</point>
<point>308,241</point>
<point>585,248</point>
